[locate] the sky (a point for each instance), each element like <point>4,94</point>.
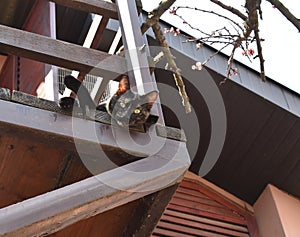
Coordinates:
<point>281,47</point>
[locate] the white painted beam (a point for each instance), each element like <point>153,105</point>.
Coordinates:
<point>136,51</point>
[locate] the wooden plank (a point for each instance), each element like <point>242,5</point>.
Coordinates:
<point>96,93</point>
<point>98,116</point>
<point>104,8</point>
<point>4,94</point>
<point>55,210</point>
<point>203,213</point>
<point>94,115</point>
<point>51,124</point>
<point>162,232</point>
<point>198,200</point>
<point>219,195</point>
<point>203,207</point>
<point>191,193</point>
<point>188,230</point>
<point>110,223</point>
<point>27,99</point>
<point>222,224</point>
<point>193,181</point>
<point>148,213</point>
<point>174,133</point>
<point>99,33</point>
<point>60,53</point>
<point>24,164</point>
<point>203,226</point>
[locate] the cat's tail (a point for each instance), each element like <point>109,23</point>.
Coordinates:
<point>82,93</point>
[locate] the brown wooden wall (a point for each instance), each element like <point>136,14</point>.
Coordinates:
<point>29,168</point>
<point>23,74</point>
<point>197,211</point>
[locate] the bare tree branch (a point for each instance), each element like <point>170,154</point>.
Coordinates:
<point>172,65</point>
<point>241,39</point>
<point>260,55</point>
<point>231,9</point>
<point>294,20</point>
<point>174,12</point>
<point>154,16</point>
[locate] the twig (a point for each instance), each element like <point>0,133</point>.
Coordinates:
<point>174,12</point>
<point>214,54</point>
<point>172,64</point>
<point>294,20</point>
<point>260,55</point>
<point>153,17</point>
<point>231,9</point>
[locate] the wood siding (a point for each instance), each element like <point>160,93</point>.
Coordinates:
<point>197,211</point>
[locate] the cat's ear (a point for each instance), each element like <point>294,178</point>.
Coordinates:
<point>124,85</point>
<point>150,98</point>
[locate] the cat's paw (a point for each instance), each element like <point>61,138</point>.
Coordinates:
<point>67,103</point>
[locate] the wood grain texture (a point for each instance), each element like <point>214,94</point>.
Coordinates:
<point>200,209</point>
<point>55,210</point>
<point>59,53</point>
<point>148,212</point>
<point>104,8</point>
<point>4,94</point>
<point>94,115</point>
<point>49,125</point>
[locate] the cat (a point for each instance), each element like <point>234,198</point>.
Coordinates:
<point>125,107</point>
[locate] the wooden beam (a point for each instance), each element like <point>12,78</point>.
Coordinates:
<point>94,45</point>
<point>55,124</point>
<point>136,52</point>
<point>59,53</point>
<point>101,7</point>
<point>134,46</point>
<point>114,44</point>
<point>96,115</point>
<point>148,213</point>
<point>4,94</point>
<point>50,212</point>
<point>92,41</point>
<point>44,120</point>
<point>99,33</point>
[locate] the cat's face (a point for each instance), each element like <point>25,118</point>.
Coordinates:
<point>130,109</point>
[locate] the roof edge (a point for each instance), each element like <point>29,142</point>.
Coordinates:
<point>220,192</point>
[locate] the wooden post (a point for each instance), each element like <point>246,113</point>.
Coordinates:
<point>51,80</point>
<point>136,51</point>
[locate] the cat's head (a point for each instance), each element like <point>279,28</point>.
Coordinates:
<point>131,109</point>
